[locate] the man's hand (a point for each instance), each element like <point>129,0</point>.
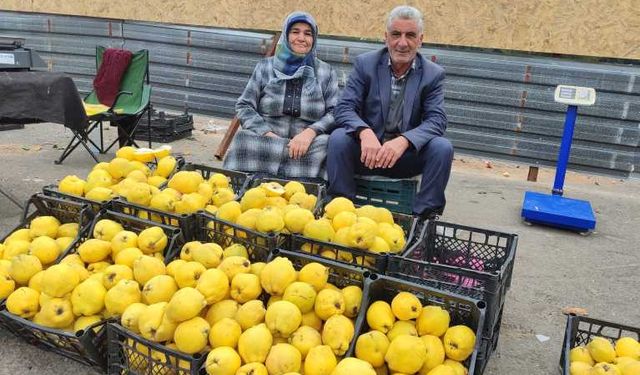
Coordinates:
<point>369,146</point>
<point>299,145</point>
<point>390,152</point>
<point>271,134</point>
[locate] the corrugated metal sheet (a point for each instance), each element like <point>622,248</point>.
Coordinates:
<point>497,104</point>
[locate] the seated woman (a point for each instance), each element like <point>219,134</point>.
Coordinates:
<point>286,109</point>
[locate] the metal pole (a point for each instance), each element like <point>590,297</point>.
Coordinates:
<point>565,149</point>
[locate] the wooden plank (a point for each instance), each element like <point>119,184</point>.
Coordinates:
<point>235,122</point>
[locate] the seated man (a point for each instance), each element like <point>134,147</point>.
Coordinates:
<point>391,118</point>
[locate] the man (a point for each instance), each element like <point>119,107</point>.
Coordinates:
<point>391,118</point>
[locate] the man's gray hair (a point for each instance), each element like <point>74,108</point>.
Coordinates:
<point>405,12</point>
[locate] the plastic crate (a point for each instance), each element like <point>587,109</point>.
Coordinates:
<point>161,138</point>
<point>395,194</point>
<point>209,228</point>
<point>239,180</point>
<point>462,310</point>
<point>64,210</point>
<point>464,260</point>
<point>86,346</point>
<point>488,347</point>
<point>580,330</point>
<point>175,240</point>
<point>376,262</point>
<point>185,222</point>
<point>132,354</point>
<point>53,191</point>
<point>164,127</point>
<point>312,186</point>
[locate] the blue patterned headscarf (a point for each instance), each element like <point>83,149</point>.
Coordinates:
<point>285,60</point>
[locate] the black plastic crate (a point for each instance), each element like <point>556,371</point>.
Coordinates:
<point>414,228</point>
<point>464,260</point>
<point>462,310</point>
<point>209,228</point>
<point>489,346</point>
<point>312,186</point>
<point>377,262</point>
<point>163,120</point>
<point>87,346</point>
<point>52,191</point>
<point>164,127</point>
<point>580,330</point>
<point>185,222</point>
<point>239,181</point>
<point>129,353</point>
<point>395,194</point>
<point>175,240</point>
<point>64,210</point>
<point>162,138</point>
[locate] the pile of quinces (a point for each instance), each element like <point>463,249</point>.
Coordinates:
<point>406,337</point>
<point>600,356</point>
<point>366,228</point>
<point>127,175</point>
<point>98,280</point>
<point>251,317</point>
<point>33,248</point>
<point>271,208</point>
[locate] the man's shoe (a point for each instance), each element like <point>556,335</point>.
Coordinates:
<point>431,213</point>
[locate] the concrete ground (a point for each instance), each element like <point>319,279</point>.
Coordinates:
<point>554,269</point>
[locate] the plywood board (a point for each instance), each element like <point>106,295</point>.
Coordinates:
<point>603,28</point>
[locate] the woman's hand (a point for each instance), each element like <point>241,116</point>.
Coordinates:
<point>299,145</point>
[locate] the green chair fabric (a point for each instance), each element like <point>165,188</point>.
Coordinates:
<point>132,101</point>
<point>133,81</point>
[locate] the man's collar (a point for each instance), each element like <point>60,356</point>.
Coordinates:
<point>412,67</point>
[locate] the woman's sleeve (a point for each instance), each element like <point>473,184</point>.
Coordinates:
<point>326,124</point>
<point>247,104</point>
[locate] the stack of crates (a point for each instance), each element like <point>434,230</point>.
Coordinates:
<point>164,127</point>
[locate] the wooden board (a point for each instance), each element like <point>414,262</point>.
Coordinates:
<point>576,27</point>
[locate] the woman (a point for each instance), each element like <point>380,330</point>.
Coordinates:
<point>286,108</point>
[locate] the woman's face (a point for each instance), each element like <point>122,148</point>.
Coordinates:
<point>300,38</point>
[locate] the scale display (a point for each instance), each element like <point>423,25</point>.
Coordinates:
<point>575,95</point>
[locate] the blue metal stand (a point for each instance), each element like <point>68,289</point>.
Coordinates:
<point>554,209</point>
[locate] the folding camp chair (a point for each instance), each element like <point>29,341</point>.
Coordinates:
<point>130,104</point>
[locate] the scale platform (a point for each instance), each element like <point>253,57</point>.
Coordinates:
<point>558,211</point>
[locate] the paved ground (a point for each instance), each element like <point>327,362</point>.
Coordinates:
<point>554,269</point>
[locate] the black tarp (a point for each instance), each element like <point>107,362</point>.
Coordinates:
<point>41,97</point>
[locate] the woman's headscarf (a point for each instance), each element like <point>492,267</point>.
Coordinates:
<point>285,60</point>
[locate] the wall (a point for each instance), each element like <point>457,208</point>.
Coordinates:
<point>606,28</point>
<point>497,105</point>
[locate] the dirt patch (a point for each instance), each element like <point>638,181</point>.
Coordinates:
<point>519,172</point>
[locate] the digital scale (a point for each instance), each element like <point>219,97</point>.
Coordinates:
<point>554,209</point>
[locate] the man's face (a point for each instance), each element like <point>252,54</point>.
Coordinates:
<point>403,40</point>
